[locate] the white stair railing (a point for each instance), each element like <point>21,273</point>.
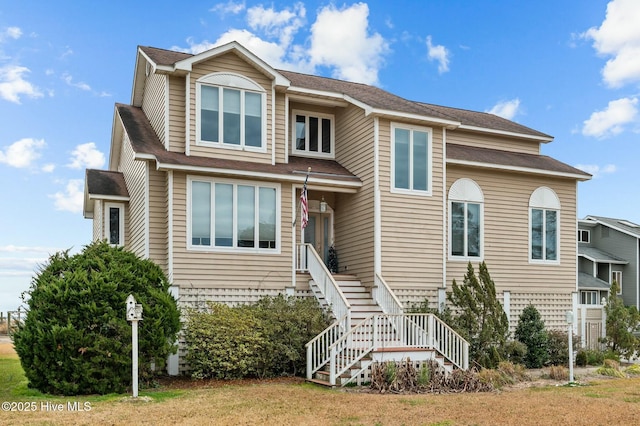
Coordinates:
<point>384,297</point>
<point>318,352</point>
<point>416,331</point>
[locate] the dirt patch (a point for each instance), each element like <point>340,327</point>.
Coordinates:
<point>181,382</point>
<point>6,346</point>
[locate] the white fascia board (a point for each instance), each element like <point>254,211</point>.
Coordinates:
<point>517,169</point>
<point>593,259</point>
<point>108,197</point>
<point>186,65</point>
<point>331,98</point>
<point>448,124</point>
<point>313,180</point>
<point>308,98</point>
<point>505,133</point>
<point>117,130</point>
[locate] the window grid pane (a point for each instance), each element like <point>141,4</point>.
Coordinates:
<point>473,230</point>
<point>420,161</point>
<point>326,136</point>
<point>253,119</point>
<point>224,215</point>
<point>536,233</point>
<point>402,159</point>
<point>114,225</point>
<point>267,218</point>
<point>301,130</point>
<point>231,120</point>
<point>209,114</point>
<point>457,229</point>
<point>201,213</point>
<point>551,235</point>
<point>313,134</point>
<point>246,216</point>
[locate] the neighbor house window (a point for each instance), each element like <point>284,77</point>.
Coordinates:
<point>313,134</point>
<point>114,223</point>
<point>589,298</point>
<point>544,218</point>
<point>617,277</point>
<point>466,202</point>
<point>233,215</point>
<point>583,236</point>
<point>411,159</point>
<point>231,116</point>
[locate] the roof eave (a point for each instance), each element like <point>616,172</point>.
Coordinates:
<point>530,170</point>
<point>538,138</point>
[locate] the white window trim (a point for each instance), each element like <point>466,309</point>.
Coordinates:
<point>545,199</point>
<point>242,84</point>
<point>235,182</point>
<point>613,278</point>
<point>107,208</point>
<point>587,232</point>
<point>306,152</point>
<point>412,128</point>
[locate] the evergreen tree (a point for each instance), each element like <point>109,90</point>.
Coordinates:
<point>76,339</point>
<point>622,321</point>
<point>531,332</point>
<point>333,260</point>
<point>479,317</point>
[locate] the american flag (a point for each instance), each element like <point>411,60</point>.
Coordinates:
<point>304,207</point>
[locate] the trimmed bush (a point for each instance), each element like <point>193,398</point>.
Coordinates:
<point>265,339</point>
<point>76,339</point>
<point>558,345</point>
<point>531,332</point>
<point>586,357</point>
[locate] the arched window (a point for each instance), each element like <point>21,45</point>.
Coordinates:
<point>466,221</point>
<point>544,228</point>
<point>231,112</point>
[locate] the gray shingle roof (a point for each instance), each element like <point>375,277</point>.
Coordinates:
<point>589,282</point>
<point>621,224</point>
<point>106,183</point>
<point>375,97</point>
<point>599,255</point>
<point>510,159</point>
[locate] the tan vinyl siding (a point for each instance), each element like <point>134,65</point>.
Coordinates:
<point>229,62</point>
<point>411,224</point>
<point>198,269</point>
<point>281,137</point>
<point>354,212</point>
<point>135,176</point>
<point>506,232</point>
<point>153,103</point>
<point>176,113</point>
<point>493,142</point>
<point>158,224</point>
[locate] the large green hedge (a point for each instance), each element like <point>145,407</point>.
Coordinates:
<point>76,339</point>
<point>261,340</point>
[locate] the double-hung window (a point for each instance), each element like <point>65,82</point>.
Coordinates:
<point>466,202</point>
<point>411,159</point>
<point>313,134</point>
<point>544,226</point>
<point>617,277</point>
<point>233,215</point>
<point>589,297</point>
<point>231,116</point>
<point>114,223</point>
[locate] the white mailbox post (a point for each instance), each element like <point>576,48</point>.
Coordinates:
<point>134,314</point>
<point>569,317</point>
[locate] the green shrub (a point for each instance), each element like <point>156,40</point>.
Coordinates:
<point>515,351</point>
<point>531,332</point>
<point>586,357</point>
<point>76,339</point>
<point>261,340</point>
<point>558,345</point>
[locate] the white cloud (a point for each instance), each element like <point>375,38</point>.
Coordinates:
<point>597,171</point>
<point>48,168</point>
<point>340,40</point>
<point>611,121</point>
<point>439,54</point>
<point>72,199</point>
<point>80,85</point>
<point>282,25</point>
<point>87,156</point>
<point>506,109</point>
<point>11,32</point>
<point>618,37</point>
<point>13,85</point>
<point>22,264</point>
<point>229,7</point>
<point>23,153</point>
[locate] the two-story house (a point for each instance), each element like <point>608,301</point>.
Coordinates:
<point>208,162</point>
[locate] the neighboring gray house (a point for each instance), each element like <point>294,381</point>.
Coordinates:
<point>608,250</point>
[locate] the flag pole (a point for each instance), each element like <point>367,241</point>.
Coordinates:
<point>295,216</point>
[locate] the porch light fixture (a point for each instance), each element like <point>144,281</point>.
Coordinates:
<point>323,206</point>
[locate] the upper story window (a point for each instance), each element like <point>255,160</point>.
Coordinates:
<point>410,159</point>
<point>313,134</point>
<point>617,277</point>
<point>231,112</point>
<point>584,236</point>
<point>233,215</point>
<point>466,205</point>
<point>114,223</point>
<point>544,230</point>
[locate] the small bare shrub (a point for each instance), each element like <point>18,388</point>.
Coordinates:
<point>558,372</point>
<point>517,372</point>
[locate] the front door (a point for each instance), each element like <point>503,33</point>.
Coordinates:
<point>318,233</point>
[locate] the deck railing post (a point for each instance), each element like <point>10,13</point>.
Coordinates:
<point>332,367</point>
<point>430,331</point>
<point>309,362</point>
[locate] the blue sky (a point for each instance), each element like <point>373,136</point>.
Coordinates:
<point>570,69</point>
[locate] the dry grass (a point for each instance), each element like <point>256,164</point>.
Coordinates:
<point>610,401</point>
